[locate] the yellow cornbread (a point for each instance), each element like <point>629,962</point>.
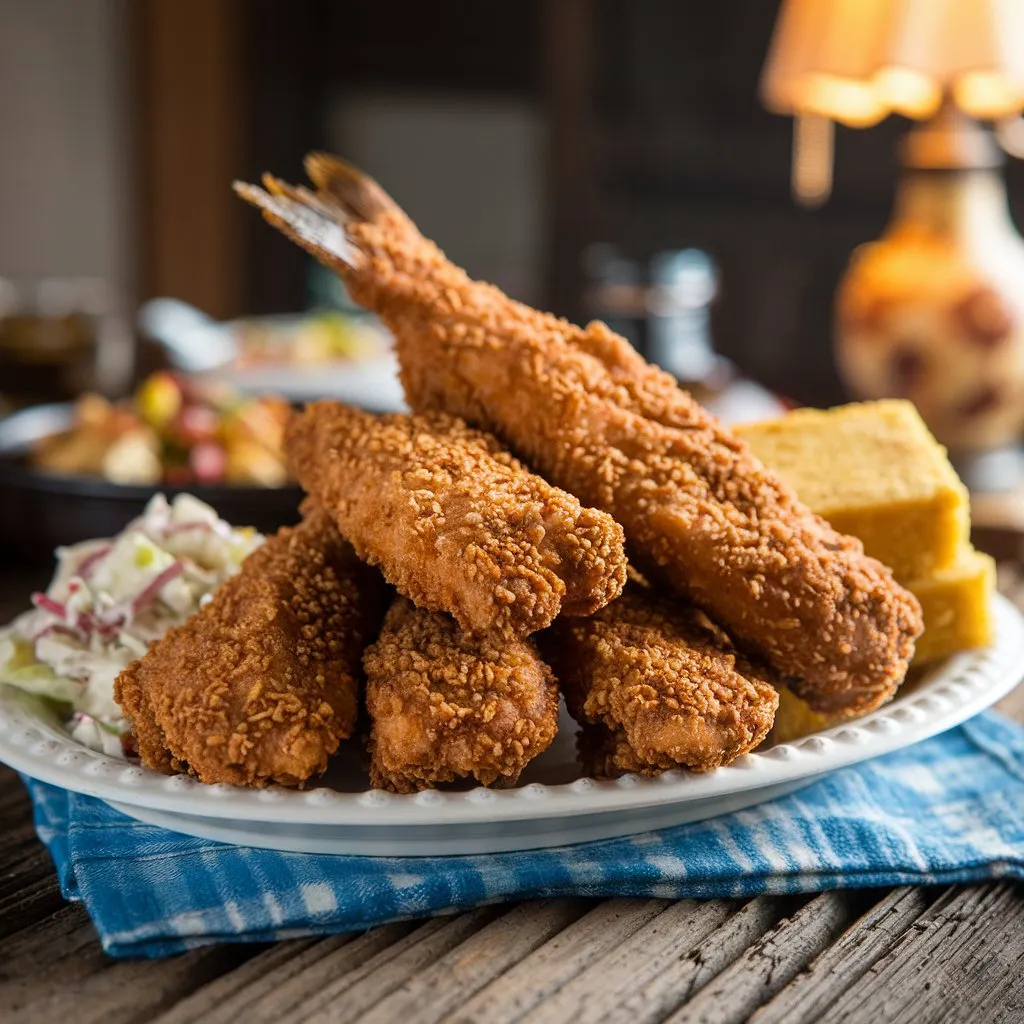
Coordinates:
<point>795,719</point>
<point>874,471</point>
<point>956,605</point>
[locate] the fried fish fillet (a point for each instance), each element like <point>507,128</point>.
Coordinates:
<point>262,683</point>
<point>700,512</point>
<point>445,705</point>
<point>655,685</point>
<point>453,521</point>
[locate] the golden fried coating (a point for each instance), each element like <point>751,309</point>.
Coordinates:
<point>262,683</point>
<point>701,514</point>
<point>453,521</point>
<point>660,687</point>
<point>445,705</point>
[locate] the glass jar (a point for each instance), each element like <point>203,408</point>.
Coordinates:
<point>60,337</point>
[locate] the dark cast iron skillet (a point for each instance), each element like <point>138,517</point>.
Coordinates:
<point>40,511</point>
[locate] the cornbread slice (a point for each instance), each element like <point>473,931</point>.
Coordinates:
<point>873,470</point>
<point>794,719</point>
<point>957,606</point>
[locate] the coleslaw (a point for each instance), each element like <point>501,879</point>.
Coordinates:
<point>108,601</point>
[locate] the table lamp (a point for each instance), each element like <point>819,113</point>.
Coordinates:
<point>934,310</point>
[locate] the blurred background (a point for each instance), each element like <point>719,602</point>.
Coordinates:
<point>516,133</point>
<point>608,158</point>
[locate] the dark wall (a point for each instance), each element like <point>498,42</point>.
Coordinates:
<point>689,157</point>
<point>656,141</point>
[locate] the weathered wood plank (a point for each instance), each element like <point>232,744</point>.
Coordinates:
<point>68,953</point>
<point>848,959</point>
<point>58,951</point>
<point>353,992</point>
<point>561,958</point>
<point>14,799</point>
<point>28,865</point>
<point>432,993</point>
<point>962,960</point>
<point>14,810</point>
<point>17,837</point>
<point>629,983</point>
<point>681,977</point>
<point>20,853</point>
<point>30,901</point>
<point>278,980</point>
<point>129,991</point>
<point>1012,704</point>
<point>226,997</point>
<point>68,924</point>
<point>767,965</point>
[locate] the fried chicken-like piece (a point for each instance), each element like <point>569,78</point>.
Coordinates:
<point>701,514</point>
<point>262,683</point>
<point>453,521</point>
<point>446,705</point>
<point>657,685</point>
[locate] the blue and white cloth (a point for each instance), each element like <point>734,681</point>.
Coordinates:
<point>950,809</point>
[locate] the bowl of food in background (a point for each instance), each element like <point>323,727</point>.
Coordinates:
<point>343,354</point>
<point>69,471</point>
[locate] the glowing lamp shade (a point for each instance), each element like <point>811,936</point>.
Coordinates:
<point>856,61</point>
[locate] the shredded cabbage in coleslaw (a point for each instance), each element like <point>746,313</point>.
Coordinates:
<point>109,600</point>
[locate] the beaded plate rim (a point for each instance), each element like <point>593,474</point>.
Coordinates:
<point>33,742</point>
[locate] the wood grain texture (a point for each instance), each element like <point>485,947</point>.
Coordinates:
<point>24,865</point>
<point>32,901</point>
<point>846,960</point>
<point>962,960</point>
<point>241,992</point>
<point>1013,704</point>
<point>354,991</point>
<point>125,991</point>
<point>282,980</point>
<point>664,962</point>
<point>561,958</point>
<point>61,944</point>
<point>431,994</point>
<point>769,963</point>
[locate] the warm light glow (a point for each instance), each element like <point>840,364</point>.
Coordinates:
<point>986,95</point>
<point>812,159</point>
<point>860,104</point>
<point>859,60</point>
<point>853,103</point>
<point>908,92</point>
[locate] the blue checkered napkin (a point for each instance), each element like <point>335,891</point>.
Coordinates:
<point>950,809</point>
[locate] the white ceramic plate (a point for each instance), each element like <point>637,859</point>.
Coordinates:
<point>372,385</point>
<point>552,805</point>
<point>196,344</point>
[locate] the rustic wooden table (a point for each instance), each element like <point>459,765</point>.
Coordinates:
<point>911,954</point>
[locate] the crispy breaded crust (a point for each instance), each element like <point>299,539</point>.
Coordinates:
<point>658,686</point>
<point>701,513</point>
<point>445,705</point>
<point>453,521</point>
<point>262,683</point>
